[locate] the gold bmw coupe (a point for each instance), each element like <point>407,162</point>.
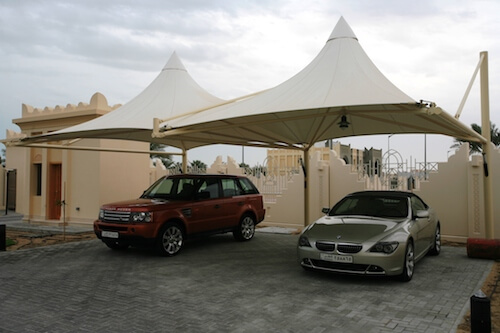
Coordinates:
<point>371,233</point>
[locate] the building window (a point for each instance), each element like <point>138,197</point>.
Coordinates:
<point>38,179</point>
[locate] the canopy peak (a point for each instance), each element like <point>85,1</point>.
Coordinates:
<point>174,63</point>
<point>342,30</point>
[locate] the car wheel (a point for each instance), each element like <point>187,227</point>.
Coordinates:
<point>436,248</point>
<point>116,246</point>
<point>409,263</point>
<point>246,228</point>
<point>170,240</point>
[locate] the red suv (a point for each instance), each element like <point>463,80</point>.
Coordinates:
<point>178,207</point>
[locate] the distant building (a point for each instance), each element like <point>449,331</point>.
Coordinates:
<point>368,160</point>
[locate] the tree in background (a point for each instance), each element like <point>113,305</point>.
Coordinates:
<point>476,147</point>
<point>198,165</point>
<point>165,159</point>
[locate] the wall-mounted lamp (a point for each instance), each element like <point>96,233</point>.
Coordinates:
<point>343,124</point>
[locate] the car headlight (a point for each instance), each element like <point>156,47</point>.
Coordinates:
<point>141,216</point>
<point>303,241</point>
<point>385,247</point>
<point>101,214</point>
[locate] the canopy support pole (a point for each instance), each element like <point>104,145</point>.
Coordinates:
<point>184,161</point>
<point>486,132</point>
<point>306,187</point>
<point>100,149</point>
<point>469,87</point>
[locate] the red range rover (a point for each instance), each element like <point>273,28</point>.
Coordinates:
<point>178,207</point>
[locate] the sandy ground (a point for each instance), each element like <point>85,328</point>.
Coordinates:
<point>26,240</point>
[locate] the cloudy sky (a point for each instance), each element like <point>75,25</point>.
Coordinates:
<point>59,52</point>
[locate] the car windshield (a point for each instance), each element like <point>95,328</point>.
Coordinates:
<point>373,206</point>
<point>171,189</point>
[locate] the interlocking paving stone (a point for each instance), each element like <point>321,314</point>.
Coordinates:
<point>220,285</point>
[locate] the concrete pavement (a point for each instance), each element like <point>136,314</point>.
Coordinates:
<point>14,221</point>
<point>220,285</point>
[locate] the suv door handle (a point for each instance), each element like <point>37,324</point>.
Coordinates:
<point>217,206</point>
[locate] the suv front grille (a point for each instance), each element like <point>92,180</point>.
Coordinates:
<point>116,216</point>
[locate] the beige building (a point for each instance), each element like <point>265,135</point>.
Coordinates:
<point>57,185</point>
<point>368,161</point>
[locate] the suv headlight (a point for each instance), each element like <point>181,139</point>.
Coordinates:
<point>101,214</point>
<point>385,247</point>
<point>141,216</point>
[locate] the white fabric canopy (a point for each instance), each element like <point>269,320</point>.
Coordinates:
<point>172,92</point>
<point>340,81</point>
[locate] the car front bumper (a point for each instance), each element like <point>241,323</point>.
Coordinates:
<point>362,263</point>
<point>132,234</point>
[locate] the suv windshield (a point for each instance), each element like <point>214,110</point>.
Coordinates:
<point>177,188</point>
<point>376,206</point>
<point>171,189</point>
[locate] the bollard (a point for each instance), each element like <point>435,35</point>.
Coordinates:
<point>480,313</point>
<point>3,238</point>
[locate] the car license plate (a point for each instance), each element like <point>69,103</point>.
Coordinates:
<point>335,258</point>
<point>109,234</point>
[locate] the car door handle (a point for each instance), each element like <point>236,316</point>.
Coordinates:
<point>217,206</point>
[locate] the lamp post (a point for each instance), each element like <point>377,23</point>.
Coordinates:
<point>425,156</point>
<point>388,149</point>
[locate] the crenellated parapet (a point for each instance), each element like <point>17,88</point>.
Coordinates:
<point>97,102</point>
<point>13,135</point>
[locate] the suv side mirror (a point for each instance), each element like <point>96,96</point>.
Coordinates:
<point>325,210</point>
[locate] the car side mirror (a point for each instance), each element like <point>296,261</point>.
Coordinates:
<point>325,210</point>
<point>422,214</point>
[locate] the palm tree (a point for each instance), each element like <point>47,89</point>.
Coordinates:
<point>476,147</point>
<point>198,166</point>
<point>165,159</point>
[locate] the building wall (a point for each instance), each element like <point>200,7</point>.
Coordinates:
<point>456,191</point>
<point>494,174</point>
<point>3,189</point>
<point>451,184</point>
<point>88,178</point>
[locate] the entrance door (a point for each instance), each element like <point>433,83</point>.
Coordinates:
<point>11,189</point>
<point>54,197</point>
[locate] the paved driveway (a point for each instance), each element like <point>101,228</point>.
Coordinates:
<point>220,285</point>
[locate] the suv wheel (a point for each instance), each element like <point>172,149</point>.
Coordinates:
<point>170,240</point>
<point>246,228</point>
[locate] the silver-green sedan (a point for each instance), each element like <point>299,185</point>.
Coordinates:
<point>371,233</point>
